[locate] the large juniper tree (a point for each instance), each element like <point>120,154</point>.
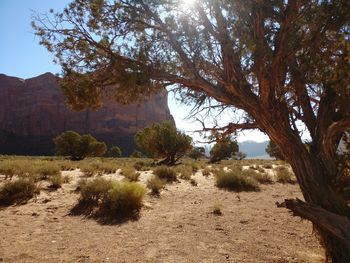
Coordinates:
<point>285,63</point>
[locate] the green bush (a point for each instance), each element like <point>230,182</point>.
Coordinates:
<point>130,174</point>
<point>78,147</point>
<point>124,198</point>
<point>166,173</point>
<point>114,152</point>
<point>236,181</point>
<point>18,191</point>
<point>155,184</point>
<point>223,149</point>
<point>93,190</point>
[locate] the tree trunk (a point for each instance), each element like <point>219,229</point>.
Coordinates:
<point>324,207</point>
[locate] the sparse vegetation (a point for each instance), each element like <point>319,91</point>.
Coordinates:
<point>18,191</point>
<point>284,176</point>
<point>56,181</point>
<point>130,174</point>
<point>166,173</point>
<point>217,210</point>
<point>206,171</point>
<point>155,184</point>
<point>193,182</point>
<point>236,181</point>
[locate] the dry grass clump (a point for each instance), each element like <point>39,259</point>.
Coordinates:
<point>18,191</point>
<point>112,197</point>
<point>235,180</point>
<point>206,171</point>
<point>185,172</point>
<point>143,165</point>
<point>267,166</point>
<point>130,174</point>
<point>155,184</point>
<point>193,182</point>
<point>93,191</point>
<point>8,168</point>
<point>56,181</point>
<point>91,168</point>
<point>124,197</point>
<point>262,178</point>
<point>67,165</point>
<point>166,173</point>
<point>217,210</point>
<point>284,176</point>
<point>46,170</point>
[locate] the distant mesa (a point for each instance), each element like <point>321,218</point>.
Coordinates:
<point>33,111</point>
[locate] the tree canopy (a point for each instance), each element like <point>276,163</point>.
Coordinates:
<point>283,63</point>
<point>223,149</point>
<point>273,151</point>
<point>163,140</point>
<point>78,147</point>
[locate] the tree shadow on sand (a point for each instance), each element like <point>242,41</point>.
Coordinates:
<point>102,215</point>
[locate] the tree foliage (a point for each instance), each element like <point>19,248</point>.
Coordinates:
<point>223,149</point>
<point>70,143</point>
<point>162,140</point>
<point>114,151</point>
<point>196,153</point>
<point>273,151</point>
<point>283,63</point>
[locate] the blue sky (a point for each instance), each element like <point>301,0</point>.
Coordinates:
<point>22,56</point>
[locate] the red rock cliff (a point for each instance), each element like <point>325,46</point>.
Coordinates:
<point>33,111</point>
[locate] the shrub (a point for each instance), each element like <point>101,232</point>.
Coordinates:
<point>223,149</point>
<point>114,152</point>
<point>217,210</point>
<point>8,169</point>
<point>284,176</point>
<point>67,165</point>
<point>18,191</point>
<point>193,182</point>
<point>77,146</point>
<point>93,190</point>
<point>235,180</point>
<point>130,174</point>
<point>197,152</point>
<point>162,140</point>
<point>166,173</point>
<point>185,172</point>
<point>263,178</point>
<point>45,170</point>
<point>137,154</point>
<point>88,170</point>
<point>206,171</point>
<point>142,166</point>
<point>267,166</point>
<point>56,181</point>
<point>195,167</point>
<point>155,184</point>
<point>124,197</point>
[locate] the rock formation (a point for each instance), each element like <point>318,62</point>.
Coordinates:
<point>33,111</point>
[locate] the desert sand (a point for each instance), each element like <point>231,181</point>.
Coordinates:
<point>177,226</point>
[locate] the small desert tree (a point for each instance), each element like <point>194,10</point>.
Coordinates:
<point>225,148</point>
<point>77,146</point>
<point>273,151</point>
<point>197,152</point>
<point>163,140</point>
<point>114,151</point>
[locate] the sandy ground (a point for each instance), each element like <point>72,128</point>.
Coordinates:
<point>178,226</point>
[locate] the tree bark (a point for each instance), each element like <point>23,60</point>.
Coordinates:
<point>324,207</point>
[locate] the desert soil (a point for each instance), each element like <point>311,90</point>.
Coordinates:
<point>178,226</point>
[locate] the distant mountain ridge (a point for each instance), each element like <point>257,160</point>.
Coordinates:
<point>254,149</point>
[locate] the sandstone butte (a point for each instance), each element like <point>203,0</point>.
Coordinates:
<point>33,112</point>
